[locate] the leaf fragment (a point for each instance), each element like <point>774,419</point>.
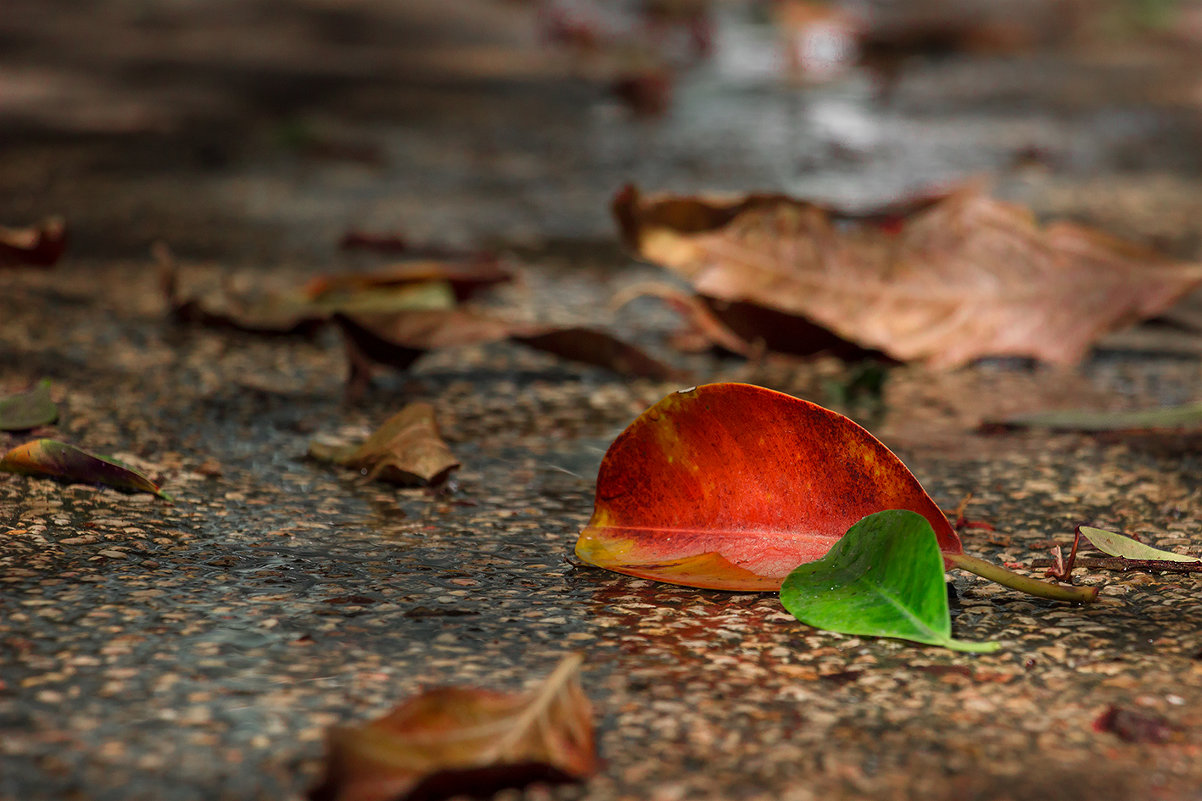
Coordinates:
<point>1168,418</point>
<point>1134,726</point>
<point>399,339</point>
<point>28,409</point>
<point>944,280</point>
<point>884,578</point>
<point>407,449</point>
<point>465,277</point>
<point>461,741</point>
<point>1116,544</point>
<point>40,245</point>
<point>49,457</point>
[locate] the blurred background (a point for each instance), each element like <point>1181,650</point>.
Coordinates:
<point>248,128</point>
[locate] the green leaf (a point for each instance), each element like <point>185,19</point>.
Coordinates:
<point>884,578</point>
<point>1167,418</point>
<point>1116,544</point>
<point>29,409</point>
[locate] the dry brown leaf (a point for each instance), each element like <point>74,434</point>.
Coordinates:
<point>945,280</point>
<point>36,246</point>
<point>465,277</point>
<point>406,449</point>
<point>460,741</point>
<point>399,339</point>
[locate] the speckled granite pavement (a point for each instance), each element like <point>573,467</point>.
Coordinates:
<point>198,649</point>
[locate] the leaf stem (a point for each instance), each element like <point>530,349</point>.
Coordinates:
<point>1032,586</point>
<point>1123,564</point>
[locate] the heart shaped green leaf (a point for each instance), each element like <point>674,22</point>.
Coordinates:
<point>884,578</point>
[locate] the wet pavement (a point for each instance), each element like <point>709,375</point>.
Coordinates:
<point>199,649</point>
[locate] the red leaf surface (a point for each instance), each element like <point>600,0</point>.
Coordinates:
<point>36,246</point>
<point>457,741</point>
<point>731,486</point>
<point>944,280</point>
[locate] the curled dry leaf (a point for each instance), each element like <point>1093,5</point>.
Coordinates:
<point>407,449</point>
<point>37,246</point>
<point>48,457</point>
<point>398,340</point>
<point>465,277</point>
<point>304,312</point>
<point>944,279</point>
<point>732,486</point>
<point>28,409</point>
<point>231,313</point>
<point>460,741</point>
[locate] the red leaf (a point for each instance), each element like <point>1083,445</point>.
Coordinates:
<point>731,486</point>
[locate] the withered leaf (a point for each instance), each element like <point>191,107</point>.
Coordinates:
<point>406,449</point>
<point>461,741</point>
<point>1133,726</point>
<point>36,246</point>
<point>303,313</point>
<point>48,457</point>
<point>465,277</point>
<point>233,314</point>
<point>944,280</point>
<point>28,409</point>
<point>398,340</point>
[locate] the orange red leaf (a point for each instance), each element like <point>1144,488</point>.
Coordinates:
<point>731,486</point>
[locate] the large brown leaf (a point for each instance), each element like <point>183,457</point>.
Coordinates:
<point>458,741</point>
<point>946,280</point>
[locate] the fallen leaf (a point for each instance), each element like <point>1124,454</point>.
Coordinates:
<point>406,449</point>
<point>28,409</point>
<point>1132,726</point>
<point>464,277</point>
<point>943,279</point>
<point>732,486</point>
<point>36,246</point>
<point>1117,544</point>
<point>1169,418</point>
<point>48,457</point>
<point>305,312</point>
<point>398,340</point>
<point>884,578</point>
<point>460,741</point>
